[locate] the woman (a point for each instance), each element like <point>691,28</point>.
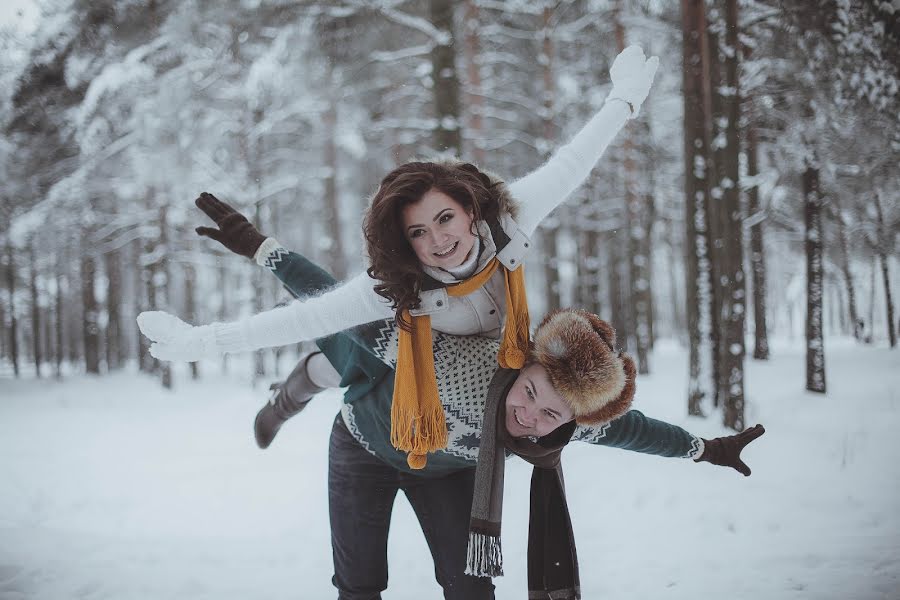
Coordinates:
<point>445,242</point>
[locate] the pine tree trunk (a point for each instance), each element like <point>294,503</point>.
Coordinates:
<point>259,359</point>
<point>679,326</point>
<point>90,312</point>
<point>142,275</point>
<point>732,251</point>
<point>815,348</point>
<point>844,254</point>
<point>549,228</point>
<point>717,222</point>
<point>190,301</point>
<point>161,287</point>
<point>60,322</point>
<point>445,81</point>
<point>649,225</point>
<point>223,286</point>
<point>696,145</point>
<point>475,99</point>
<point>757,254</point>
<point>337,261</point>
<point>35,311</point>
<point>639,285</point>
<point>882,256</point>
<point>114,311</point>
<point>11,291</point>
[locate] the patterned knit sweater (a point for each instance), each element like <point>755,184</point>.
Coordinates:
<point>464,367</point>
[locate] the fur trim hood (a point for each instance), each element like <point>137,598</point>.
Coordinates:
<point>577,349</point>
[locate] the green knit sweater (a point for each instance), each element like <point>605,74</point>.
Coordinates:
<point>464,367</point>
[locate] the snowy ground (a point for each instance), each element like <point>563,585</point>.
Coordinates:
<point>113,488</point>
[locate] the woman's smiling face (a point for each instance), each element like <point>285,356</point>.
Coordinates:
<point>533,406</point>
<point>439,229</point>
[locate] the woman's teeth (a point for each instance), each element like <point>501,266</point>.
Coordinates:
<point>448,250</point>
<point>516,415</point>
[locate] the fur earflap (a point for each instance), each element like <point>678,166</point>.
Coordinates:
<point>577,349</point>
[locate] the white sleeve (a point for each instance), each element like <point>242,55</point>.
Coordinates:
<point>544,189</point>
<point>347,305</point>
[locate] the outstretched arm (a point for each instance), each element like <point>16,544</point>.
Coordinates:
<point>639,433</point>
<point>351,304</point>
<point>636,432</point>
<point>542,190</point>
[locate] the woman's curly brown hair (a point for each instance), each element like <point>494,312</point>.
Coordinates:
<point>393,261</point>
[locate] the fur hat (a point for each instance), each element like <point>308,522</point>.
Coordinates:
<point>577,349</point>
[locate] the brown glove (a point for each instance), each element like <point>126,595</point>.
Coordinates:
<point>234,231</point>
<point>726,451</point>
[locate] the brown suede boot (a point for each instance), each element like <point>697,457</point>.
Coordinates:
<point>289,397</point>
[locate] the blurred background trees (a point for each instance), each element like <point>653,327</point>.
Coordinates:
<point>756,196</point>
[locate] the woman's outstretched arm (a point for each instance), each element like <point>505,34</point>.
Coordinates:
<point>542,190</point>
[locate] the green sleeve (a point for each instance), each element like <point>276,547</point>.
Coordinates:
<point>351,352</point>
<point>636,432</point>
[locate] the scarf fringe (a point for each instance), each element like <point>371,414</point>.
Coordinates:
<point>422,433</point>
<point>484,557</point>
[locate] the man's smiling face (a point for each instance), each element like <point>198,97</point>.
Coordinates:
<point>533,407</point>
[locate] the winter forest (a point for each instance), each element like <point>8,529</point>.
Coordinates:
<point>741,235</point>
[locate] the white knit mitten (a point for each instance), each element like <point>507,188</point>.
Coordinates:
<point>176,340</point>
<point>632,75</point>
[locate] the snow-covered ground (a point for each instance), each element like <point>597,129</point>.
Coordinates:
<point>113,488</point>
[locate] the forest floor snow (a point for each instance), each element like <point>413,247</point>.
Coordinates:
<point>113,488</point>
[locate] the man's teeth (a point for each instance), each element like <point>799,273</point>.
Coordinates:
<point>448,250</point>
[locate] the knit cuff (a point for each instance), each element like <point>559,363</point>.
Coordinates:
<point>631,110</point>
<point>230,337</point>
<point>268,251</point>
<point>697,448</point>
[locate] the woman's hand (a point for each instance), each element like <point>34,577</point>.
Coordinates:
<point>632,75</point>
<point>726,451</point>
<point>234,231</point>
<point>173,339</point>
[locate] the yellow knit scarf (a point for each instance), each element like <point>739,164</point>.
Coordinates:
<point>417,417</point>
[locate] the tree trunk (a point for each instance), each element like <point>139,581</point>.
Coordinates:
<point>882,255</point>
<point>35,310</point>
<point>90,312</point>
<point>162,282</point>
<point>224,286</point>
<point>13,325</point>
<point>679,327</point>
<point>844,254</point>
<point>190,301</point>
<point>696,144</point>
<point>475,102</point>
<point>259,359</point>
<point>639,284</point>
<point>114,311</point>
<point>60,321</point>
<point>337,261</point>
<point>815,349</point>
<point>732,251</point>
<point>445,82</point>
<point>143,273</point>
<point>757,254</point>
<point>716,222</point>
<point>549,227</point>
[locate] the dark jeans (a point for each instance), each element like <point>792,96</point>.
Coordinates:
<point>361,492</point>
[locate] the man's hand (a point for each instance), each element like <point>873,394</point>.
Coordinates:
<point>726,451</point>
<point>176,340</point>
<point>234,231</point>
<point>632,75</point>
